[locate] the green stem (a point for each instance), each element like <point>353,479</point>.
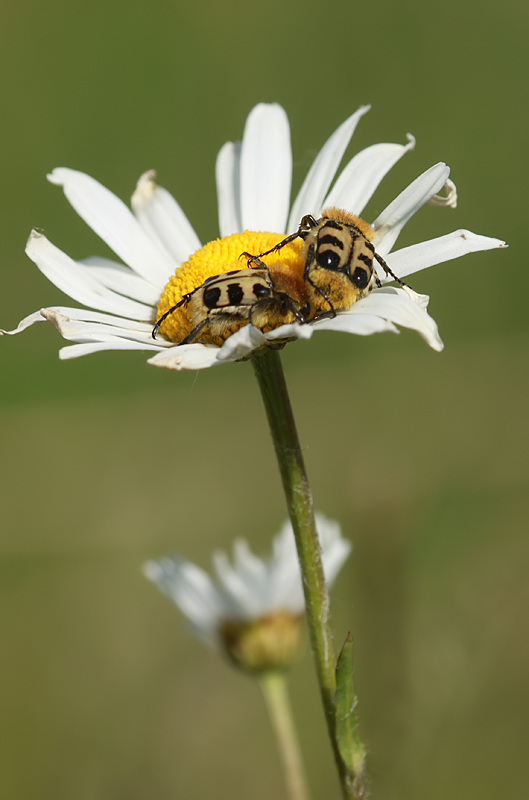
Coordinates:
<point>271,379</point>
<point>274,688</point>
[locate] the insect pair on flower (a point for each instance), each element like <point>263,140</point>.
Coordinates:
<point>334,270</point>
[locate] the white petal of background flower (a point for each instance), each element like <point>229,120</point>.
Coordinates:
<point>249,588</point>
<point>320,176</point>
<point>192,590</point>
<point>163,220</point>
<point>335,548</point>
<point>358,181</point>
<point>391,221</point>
<point>110,218</point>
<point>266,169</point>
<point>228,178</point>
<point>240,597</point>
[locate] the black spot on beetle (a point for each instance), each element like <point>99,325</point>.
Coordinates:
<point>211,297</point>
<point>235,294</point>
<point>328,239</point>
<point>360,278</point>
<point>368,261</point>
<point>260,291</point>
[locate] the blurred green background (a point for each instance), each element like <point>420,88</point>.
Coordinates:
<point>107,462</point>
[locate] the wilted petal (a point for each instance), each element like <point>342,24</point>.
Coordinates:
<point>391,221</point>
<point>31,319</point>
<point>82,331</point>
<point>449,200</point>
<point>110,218</point>
<point>163,220</point>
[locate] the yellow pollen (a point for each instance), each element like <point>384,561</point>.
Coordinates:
<point>221,255</point>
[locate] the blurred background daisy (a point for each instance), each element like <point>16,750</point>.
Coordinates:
<point>108,463</point>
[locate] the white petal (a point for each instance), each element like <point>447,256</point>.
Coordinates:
<point>434,251</point>
<point>76,282</point>
<point>163,220</point>
<point>110,218</point>
<point>84,332</point>
<point>121,279</point>
<point>358,324</point>
<point>31,319</point>
<point>362,175</point>
<point>266,169</point>
<point>228,176</point>
<point>316,184</point>
<point>292,331</point>
<point>241,344</point>
<point>395,306</point>
<point>78,350</point>
<point>391,221</point>
<point>186,356</point>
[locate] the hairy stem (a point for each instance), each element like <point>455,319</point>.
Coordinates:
<point>271,379</point>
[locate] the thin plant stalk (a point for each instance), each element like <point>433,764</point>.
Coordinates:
<point>271,379</point>
<point>274,688</point>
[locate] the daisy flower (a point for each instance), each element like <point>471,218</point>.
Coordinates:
<point>155,238</point>
<point>254,609</point>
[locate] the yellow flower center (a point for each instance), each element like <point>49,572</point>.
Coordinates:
<point>221,255</point>
<point>268,643</point>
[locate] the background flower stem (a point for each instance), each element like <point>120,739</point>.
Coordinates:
<point>271,379</point>
<point>274,688</point>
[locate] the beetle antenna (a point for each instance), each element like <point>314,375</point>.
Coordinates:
<point>388,271</point>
